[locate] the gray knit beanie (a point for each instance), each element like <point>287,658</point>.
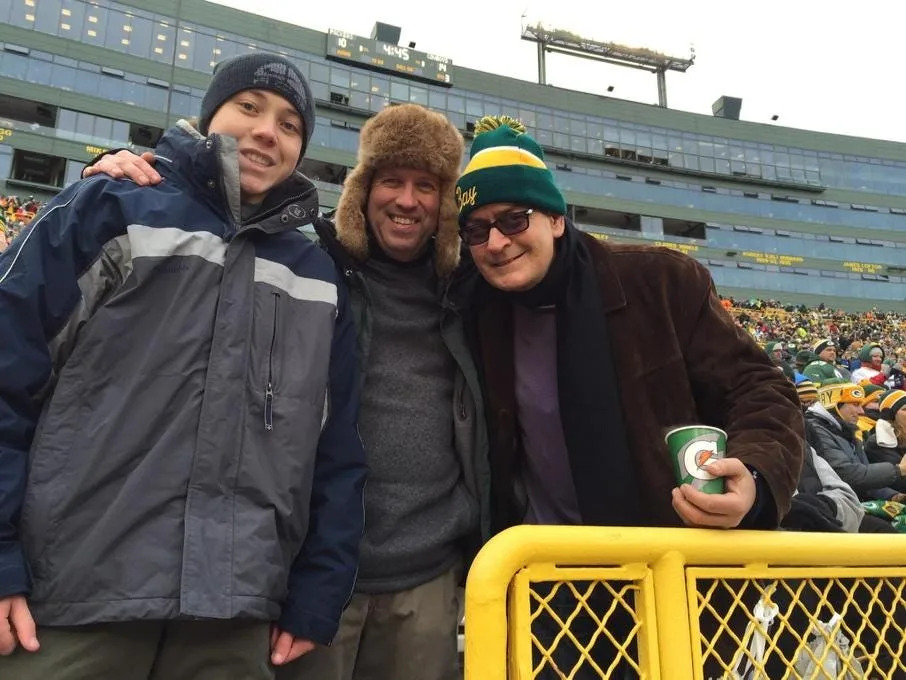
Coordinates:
<point>259,71</point>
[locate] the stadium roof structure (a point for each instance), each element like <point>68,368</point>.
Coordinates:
<point>567,42</point>
<point>772,211</point>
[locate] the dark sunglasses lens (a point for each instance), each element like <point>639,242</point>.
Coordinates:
<point>475,234</point>
<point>513,223</point>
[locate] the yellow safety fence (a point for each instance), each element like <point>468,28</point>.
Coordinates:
<point>680,604</point>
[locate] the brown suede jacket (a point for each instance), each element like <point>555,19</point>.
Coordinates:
<point>679,359</point>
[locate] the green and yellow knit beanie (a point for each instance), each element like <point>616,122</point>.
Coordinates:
<point>872,393</point>
<point>891,402</point>
<point>506,166</point>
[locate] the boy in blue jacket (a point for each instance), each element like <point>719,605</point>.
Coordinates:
<point>181,476</point>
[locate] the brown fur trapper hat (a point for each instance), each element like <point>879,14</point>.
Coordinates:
<point>408,136</point>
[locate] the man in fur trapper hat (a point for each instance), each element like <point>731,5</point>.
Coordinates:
<point>411,138</point>
<point>397,239</point>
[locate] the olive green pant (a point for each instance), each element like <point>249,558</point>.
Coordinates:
<point>147,650</point>
<point>409,635</point>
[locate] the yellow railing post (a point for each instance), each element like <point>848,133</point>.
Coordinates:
<point>520,626</point>
<point>486,606</point>
<point>672,616</point>
<point>686,578</point>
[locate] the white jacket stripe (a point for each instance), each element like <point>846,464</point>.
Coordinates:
<point>298,287</point>
<point>169,241</point>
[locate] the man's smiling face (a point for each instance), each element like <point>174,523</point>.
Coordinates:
<point>402,211</point>
<point>520,261</point>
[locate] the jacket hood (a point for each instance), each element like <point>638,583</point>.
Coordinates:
<point>821,413</point>
<point>406,136</point>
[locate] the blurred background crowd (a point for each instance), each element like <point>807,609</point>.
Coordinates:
<point>15,214</point>
<point>801,328</point>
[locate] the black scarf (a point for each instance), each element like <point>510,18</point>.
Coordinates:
<point>589,396</point>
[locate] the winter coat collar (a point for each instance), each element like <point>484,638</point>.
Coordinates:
<point>210,166</point>
<point>820,412</point>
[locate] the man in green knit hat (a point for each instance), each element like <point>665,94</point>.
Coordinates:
<point>591,352</point>
<point>662,326</point>
<point>825,367</point>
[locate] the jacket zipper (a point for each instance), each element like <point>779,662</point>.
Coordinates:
<point>269,390</point>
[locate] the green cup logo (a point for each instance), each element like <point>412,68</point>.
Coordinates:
<point>693,448</point>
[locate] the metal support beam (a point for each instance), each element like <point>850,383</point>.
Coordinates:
<point>661,87</point>
<point>564,42</point>
<point>542,65</point>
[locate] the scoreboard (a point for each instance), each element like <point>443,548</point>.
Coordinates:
<point>388,58</point>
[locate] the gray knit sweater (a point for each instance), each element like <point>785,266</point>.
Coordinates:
<point>416,505</point>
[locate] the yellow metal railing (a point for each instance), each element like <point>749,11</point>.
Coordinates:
<point>686,604</point>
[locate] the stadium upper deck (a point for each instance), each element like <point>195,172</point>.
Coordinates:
<point>773,211</point>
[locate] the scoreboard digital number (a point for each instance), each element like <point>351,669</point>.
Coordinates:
<point>381,56</point>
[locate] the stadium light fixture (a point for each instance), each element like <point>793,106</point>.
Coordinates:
<point>566,42</point>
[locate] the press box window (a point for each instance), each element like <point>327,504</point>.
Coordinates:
<point>38,168</point>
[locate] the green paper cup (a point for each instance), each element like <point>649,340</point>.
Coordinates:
<point>692,449</point>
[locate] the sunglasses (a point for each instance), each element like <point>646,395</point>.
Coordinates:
<point>476,232</point>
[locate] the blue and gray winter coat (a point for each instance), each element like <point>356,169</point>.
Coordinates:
<point>178,402</point>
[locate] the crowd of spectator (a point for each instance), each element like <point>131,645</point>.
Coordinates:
<point>15,215</point>
<point>850,374</point>
<point>801,327</point>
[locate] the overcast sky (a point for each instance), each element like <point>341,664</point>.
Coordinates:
<point>828,66</point>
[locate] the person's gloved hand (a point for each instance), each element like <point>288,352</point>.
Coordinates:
<point>812,512</point>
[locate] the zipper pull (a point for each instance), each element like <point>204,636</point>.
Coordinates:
<point>269,407</point>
